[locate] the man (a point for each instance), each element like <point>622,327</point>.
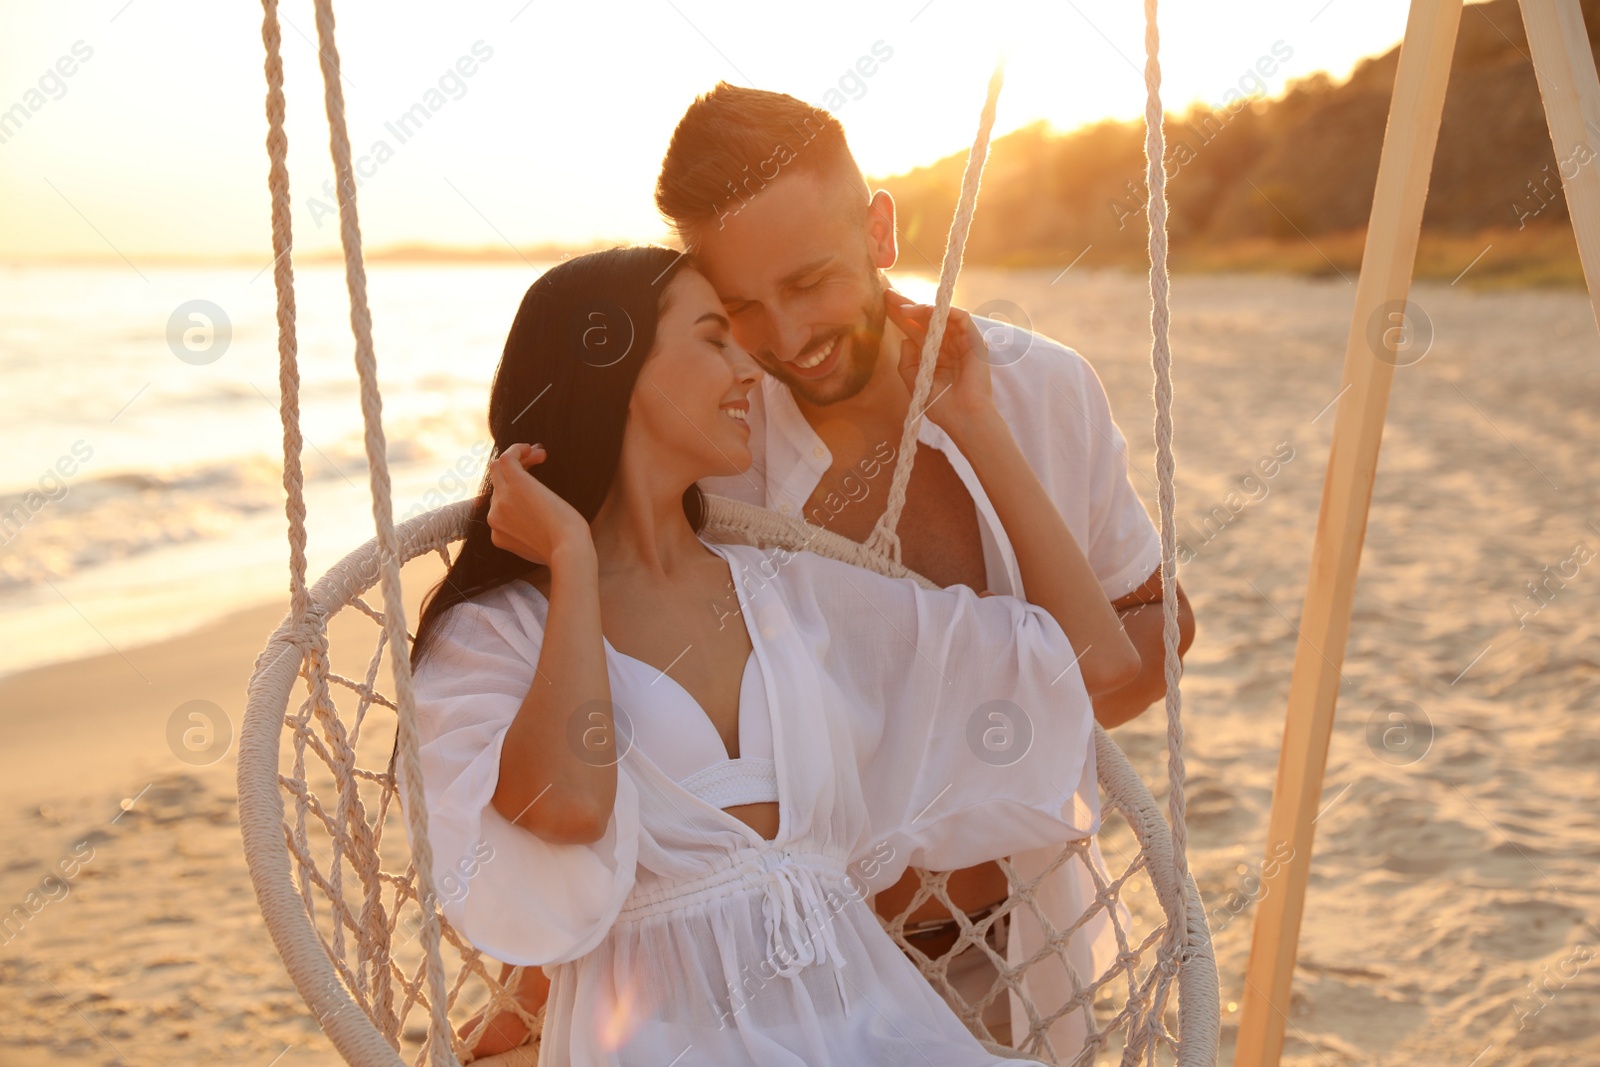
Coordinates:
<point>764,193</point>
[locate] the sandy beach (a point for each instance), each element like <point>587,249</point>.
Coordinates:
<point>1454,913</point>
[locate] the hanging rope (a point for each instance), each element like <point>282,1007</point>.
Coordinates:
<point>1161,360</point>
<point>377,464</point>
<point>883,540</point>
<point>310,634</point>
<point>1176,942</point>
<point>288,344</point>
<point>394,617</point>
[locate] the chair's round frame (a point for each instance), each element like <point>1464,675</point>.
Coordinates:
<point>358,1040</point>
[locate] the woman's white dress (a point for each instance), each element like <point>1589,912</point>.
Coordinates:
<point>909,727</point>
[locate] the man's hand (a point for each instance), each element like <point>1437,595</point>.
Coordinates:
<point>962,392</point>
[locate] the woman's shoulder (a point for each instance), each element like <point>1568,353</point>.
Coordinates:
<point>775,563</point>
<point>515,611</point>
<point>802,577</point>
<point>508,596</point>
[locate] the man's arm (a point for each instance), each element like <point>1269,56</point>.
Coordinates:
<point>1140,612</point>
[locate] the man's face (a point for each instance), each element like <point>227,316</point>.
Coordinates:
<point>797,268</point>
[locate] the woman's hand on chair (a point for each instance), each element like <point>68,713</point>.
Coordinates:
<point>525,516</point>
<point>506,1030</point>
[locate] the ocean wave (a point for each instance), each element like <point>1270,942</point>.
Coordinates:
<point>56,530</point>
<point>64,526</point>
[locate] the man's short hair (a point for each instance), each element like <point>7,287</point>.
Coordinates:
<point>732,142</point>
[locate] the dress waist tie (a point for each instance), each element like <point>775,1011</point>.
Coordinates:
<point>799,919</point>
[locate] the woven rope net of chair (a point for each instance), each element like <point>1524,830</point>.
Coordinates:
<point>342,869</point>
<point>342,836</point>
<point>341,852</point>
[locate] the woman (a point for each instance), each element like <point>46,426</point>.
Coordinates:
<point>670,772</point>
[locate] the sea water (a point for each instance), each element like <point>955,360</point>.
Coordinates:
<point>141,491</point>
<point>173,513</point>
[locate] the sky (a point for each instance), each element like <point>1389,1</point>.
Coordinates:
<point>153,146</point>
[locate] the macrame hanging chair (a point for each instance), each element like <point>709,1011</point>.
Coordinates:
<point>352,909</point>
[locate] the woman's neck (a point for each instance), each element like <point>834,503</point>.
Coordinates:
<point>641,528</point>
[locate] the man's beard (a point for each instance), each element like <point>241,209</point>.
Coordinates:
<point>860,358</point>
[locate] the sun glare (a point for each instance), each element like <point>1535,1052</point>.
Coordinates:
<point>511,124</point>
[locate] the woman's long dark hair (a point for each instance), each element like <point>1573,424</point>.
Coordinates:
<point>564,381</point>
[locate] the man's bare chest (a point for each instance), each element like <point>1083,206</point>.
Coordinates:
<point>939,531</point>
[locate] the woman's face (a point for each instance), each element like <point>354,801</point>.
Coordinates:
<point>692,397</point>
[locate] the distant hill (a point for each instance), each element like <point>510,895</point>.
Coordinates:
<point>1284,183</point>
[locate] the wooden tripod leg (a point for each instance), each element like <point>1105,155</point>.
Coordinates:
<point>1565,69</point>
<point>1377,329</point>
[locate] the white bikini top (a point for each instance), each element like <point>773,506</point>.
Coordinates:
<point>674,731</point>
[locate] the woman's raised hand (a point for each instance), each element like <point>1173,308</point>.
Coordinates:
<point>961,384</point>
<point>525,516</point>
